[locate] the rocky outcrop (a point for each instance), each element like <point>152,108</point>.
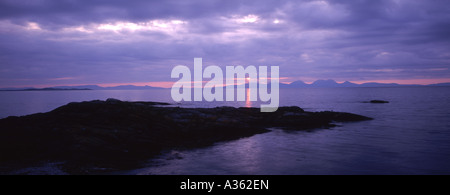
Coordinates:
<point>116,135</point>
<point>379,102</point>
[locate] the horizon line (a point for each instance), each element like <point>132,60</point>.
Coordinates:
<point>168,84</point>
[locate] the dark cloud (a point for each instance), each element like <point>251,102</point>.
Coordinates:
<point>70,12</point>
<point>43,41</point>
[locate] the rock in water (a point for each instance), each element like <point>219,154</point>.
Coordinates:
<point>117,135</point>
<point>379,102</point>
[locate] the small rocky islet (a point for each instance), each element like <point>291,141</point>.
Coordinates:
<point>117,135</point>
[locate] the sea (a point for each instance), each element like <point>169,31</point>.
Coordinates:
<point>409,135</point>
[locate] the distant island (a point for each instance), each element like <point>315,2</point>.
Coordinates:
<point>46,89</point>
<point>333,84</point>
<point>296,84</point>
<point>82,87</point>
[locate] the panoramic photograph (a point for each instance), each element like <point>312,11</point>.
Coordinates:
<point>224,87</point>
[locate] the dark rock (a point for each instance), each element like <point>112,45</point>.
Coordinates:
<point>290,109</point>
<point>112,100</point>
<point>379,102</point>
<point>117,135</point>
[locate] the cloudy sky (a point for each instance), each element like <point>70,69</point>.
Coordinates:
<point>112,42</point>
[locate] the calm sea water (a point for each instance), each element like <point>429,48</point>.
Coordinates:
<point>410,135</point>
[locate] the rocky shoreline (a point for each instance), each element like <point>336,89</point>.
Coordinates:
<point>99,136</point>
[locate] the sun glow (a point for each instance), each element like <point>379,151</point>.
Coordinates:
<point>33,26</point>
<point>248,19</point>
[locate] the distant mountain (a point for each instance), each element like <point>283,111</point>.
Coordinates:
<point>379,85</point>
<point>440,84</point>
<point>296,84</point>
<point>83,87</point>
<point>92,87</point>
<point>43,89</point>
<point>348,84</point>
<point>325,83</point>
<point>333,84</point>
<point>130,87</point>
<point>120,87</point>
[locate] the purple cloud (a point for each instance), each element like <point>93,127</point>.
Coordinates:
<point>91,42</point>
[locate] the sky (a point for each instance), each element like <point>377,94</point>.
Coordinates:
<point>112,42</point>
